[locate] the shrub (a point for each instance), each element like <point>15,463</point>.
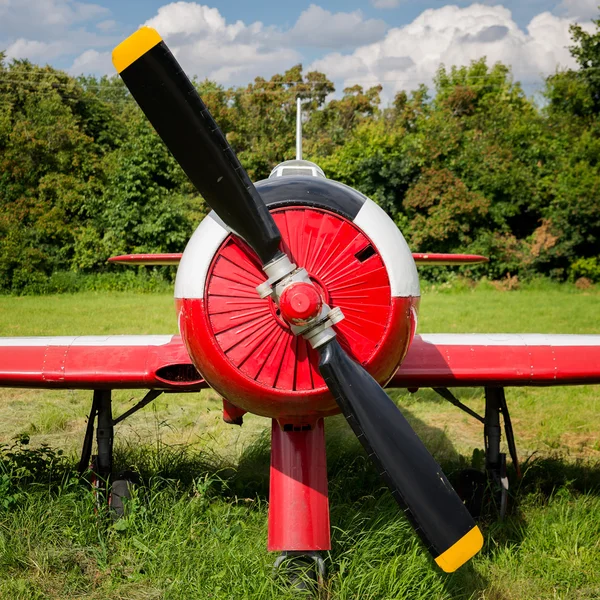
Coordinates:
<point>586,267</point>
<point>70,282</point>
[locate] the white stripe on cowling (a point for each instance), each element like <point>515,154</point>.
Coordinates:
<point>391,245</point>
<point>379,228</point>
<point>87,340</point>
<point>511,339</point>
<point>196,259</point>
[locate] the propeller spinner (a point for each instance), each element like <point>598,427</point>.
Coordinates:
<point>173,106</point>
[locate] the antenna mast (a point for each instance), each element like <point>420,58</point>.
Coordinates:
<point>298,129</point>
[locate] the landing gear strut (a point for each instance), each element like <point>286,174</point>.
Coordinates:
<point>104,438</point>
<point>495,461</point>
<point>472,483</point>
<point>108,490</point>
<point>299,504</point>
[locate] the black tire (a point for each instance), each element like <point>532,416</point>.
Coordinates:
<point>302,573</point>
<point>471,486</point>
<point>120,494</point>
<point>303,576</point>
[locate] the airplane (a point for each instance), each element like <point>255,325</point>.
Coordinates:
<point>297,299</point>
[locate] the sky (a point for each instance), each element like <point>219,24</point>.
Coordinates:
<point>398,43</point>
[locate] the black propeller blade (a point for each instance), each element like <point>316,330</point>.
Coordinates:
<point>172,104</point>
<point>415,479</point>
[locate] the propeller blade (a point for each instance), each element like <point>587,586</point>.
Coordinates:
<point>414,477</point>
<point>172,104</point>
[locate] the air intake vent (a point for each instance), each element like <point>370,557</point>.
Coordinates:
<point>179,374</point>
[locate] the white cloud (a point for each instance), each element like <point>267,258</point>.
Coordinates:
<point>46,30</point>
<point>189,19</point>
<point>386,3</point>
<point>107,25</point>
<point>92,61</point>
<point>322,29</point>
<point>580,9</point>
<point>410,55</point>
<point>208,46</point>
<point>44,18</point>
<point>361,50</point>
<point>44,51</point>
<point>36,51</point>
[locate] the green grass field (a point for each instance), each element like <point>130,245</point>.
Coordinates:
<point>197,526</point>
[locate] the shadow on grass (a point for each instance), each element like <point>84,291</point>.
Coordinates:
<point>365,520</point>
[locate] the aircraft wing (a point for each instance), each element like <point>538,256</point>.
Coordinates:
<point>98,362</point>
<point>436,259</point>
<point>420,258</point>
<point>433,360</point>
<point>172,258</point>
<point>469,360</point>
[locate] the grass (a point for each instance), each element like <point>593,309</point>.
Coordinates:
<point>197,526</point>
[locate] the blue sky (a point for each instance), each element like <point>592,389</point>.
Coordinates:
<point>399,43</point>
<point>283,13</point>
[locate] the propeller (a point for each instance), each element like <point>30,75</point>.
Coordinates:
<point>172,104</point>
<point>413,476</point>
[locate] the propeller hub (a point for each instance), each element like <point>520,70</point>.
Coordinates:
<point>300,302</point>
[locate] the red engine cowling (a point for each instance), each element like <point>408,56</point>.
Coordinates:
<point>239,342</point>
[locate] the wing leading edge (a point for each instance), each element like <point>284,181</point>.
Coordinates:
<point>98,362</point>
<point>466,360</point>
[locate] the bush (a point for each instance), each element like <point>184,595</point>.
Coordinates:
<point>21,465</point>
<point>586,267</point>
<point>70,282</point>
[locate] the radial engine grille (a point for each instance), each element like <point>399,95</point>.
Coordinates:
<point>345,266</point>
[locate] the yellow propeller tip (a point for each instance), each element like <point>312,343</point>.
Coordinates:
<point>460,552</point>
<point>136,45</point>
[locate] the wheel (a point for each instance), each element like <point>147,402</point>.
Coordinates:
<point>120,493</point>
<point>303,572</point>
<point>484,492</point>
<point>471,486</point>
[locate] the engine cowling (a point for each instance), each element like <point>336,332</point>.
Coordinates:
<point>357,259</point>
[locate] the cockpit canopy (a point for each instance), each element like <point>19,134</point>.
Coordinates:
<point>297,167</point>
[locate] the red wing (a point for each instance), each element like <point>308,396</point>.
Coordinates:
<point>147,259</point>
<point>98,362</point>
<point>448,259</point>
<point>420,259</point>
<point>162,362</point>
<point>464,360</point>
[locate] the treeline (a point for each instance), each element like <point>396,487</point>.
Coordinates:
<point>473,165</point>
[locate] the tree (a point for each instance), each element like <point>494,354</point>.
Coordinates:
<point>586,51</point>
<point>444,214</point>
<point>49,166</point>
<point>471,165</point>
<point>577,92</point>
<point>263,117</point>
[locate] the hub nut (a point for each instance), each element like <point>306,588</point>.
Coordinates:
<point>300,302</point>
